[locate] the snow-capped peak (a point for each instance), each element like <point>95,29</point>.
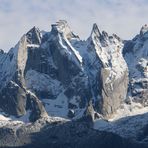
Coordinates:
<point>34,36</point>
<point>144,29</point>
<point>62,27</point>
<point>102,38</point>
<point>95,31</point>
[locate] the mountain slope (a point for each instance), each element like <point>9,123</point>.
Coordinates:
<point>94,92</point>
<point>136,56</point>
<point>58,74</point>
<point>59,66</point>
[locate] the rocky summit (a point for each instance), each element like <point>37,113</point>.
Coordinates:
<point>55,85</point>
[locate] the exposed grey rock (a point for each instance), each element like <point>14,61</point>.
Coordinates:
<point>89,112</point>
<point>113,94</point>
<point>13,94</point>
<point>34,36</point>
<point>36,106</point>
<point>109,89</point>
<point>13,99</point>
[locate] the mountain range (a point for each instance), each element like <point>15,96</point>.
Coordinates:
<point>94,91</point>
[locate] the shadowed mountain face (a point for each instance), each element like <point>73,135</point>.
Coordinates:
<point>49,75</point>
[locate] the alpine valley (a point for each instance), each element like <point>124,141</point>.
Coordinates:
<point>58,91</point>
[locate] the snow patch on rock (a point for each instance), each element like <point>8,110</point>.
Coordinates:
<point>57,107</point>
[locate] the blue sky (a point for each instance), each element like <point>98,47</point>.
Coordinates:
<point>123,17</point>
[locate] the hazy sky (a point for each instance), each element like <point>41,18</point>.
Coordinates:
<point>123,17</point>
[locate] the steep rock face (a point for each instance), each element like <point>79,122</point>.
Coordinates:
<point>15,103</point>
<point>114,93</point>
<point>14,97</point>
<point>136,55</point>
<point>54,72</point>
<point>64,73</point>
<point>106,69</point>
<point>113,72</point>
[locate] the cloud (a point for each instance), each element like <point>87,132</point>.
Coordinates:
<point>123,17</point>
